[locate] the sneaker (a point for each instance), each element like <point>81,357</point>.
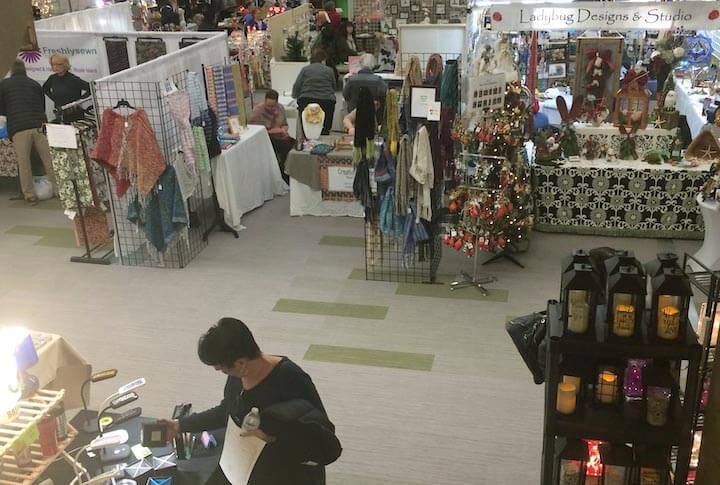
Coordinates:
<point>32,201</point>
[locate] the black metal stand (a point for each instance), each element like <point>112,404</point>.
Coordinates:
<point>219,220</point>
<point>88,256</point>
<point>505,254</point>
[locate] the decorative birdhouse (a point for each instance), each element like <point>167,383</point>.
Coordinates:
<point>631,107</point>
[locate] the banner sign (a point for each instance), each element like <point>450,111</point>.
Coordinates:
<point>690,15</point>
<point>87,59</point>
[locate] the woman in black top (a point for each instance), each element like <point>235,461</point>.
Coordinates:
<point>300,438</point>
<point>64,87</point>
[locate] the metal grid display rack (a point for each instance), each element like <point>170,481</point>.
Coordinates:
<point>608,425</point>
<point>706,284</point>
<point>131,246</point>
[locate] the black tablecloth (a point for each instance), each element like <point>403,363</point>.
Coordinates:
<point>189,472</point>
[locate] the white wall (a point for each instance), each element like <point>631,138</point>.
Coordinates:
<point>111,18</point>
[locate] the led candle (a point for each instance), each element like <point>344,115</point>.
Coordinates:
<point>668,324</point>
<point>658,405</point>
<point>570,473</point>
<point>566,398</point>
<point>579,311</point>
<point>575,381</point>
<point>649,476</point>
<point>624,320</point>
<point>607,386</point>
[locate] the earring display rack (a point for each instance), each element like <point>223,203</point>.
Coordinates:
<point>30,412</point>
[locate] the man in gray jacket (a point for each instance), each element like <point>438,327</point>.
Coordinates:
<point>22,101</point>
<point>364,79</point>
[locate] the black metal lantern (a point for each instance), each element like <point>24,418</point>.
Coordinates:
<point>625,304</point>
<point>671,293</point>
<point>580,295</point>
<point>653,466</point>
<point>621,259</point>
<point>661,261</point>
<point>579,256</point>
<point>607,386</point>
<point>617,464</point>
<point>572,463</point>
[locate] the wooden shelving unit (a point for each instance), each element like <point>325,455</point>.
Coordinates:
<point>593,423</point>
<point>31,411</point>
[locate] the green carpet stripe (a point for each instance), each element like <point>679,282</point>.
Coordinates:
<point>343,241</point>
<point>50,204</point>
<point>56,237</point>
<point>359,274</point>
<point>308,307</point>
<point>442,290</point>
<point>370,357</point>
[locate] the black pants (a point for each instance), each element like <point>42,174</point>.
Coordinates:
<point>218,478</point>
<point>281,147</point>
<point>328,106</point>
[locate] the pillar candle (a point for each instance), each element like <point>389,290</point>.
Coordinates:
<point>624,320</point>
<point>566,398</point>
<point>668,324</point>
<point>575,381</point>
<point>649,476</point>
<point>614,475</point>
<point>579,317</point>
<point>607,387</point>
<point>570,473</point>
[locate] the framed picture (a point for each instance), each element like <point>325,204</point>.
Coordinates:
<point>405,3</point>
<point>415,7</point>
<point>404,16</point>
<point>427,3</point>
<point>393,9</point>
<point>556,70</point>
<point>457,3</point>
<point>402,20</point>
<point>440,9</point>
<point>598,59</point>
<point>420,98</point>
<point>485,92</point>
<point>234,125</point>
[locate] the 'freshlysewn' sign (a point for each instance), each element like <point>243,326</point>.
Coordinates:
<point>606,16</point>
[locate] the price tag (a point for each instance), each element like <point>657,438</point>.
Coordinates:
<point>433,111</point>
<point>61,136</point>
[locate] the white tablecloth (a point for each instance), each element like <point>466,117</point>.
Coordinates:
<point>304,201</point>
<point>246,175</point>
<point>690,105</point>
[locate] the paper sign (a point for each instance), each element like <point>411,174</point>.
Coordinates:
<point>433,111</point>
<point>61,136</point>
<point>239,454</point>
<point>419,99</point>
<point>353,64</point>
<point>690,15</point>
<point>340,179</point>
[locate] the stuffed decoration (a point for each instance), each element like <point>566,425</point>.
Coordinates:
<point>657,156</point>
<point>628,147</point>
<point>590,148</point>
<point>597,72</point>
<point>547,148</point>
<point>568,137</point>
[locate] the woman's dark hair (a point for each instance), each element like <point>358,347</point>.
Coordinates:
<point>225,342</point>
<point>329,6</point>
<point>318,55</point>
<point>343,29</point>
<point>272,94</point>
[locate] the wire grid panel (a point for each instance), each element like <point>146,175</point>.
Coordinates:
<point>131,245</point>
<point>403,59</point>
<point>386,261</point>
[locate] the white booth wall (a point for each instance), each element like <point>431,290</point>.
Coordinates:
<point>110,18</point>
<point>427,39</point>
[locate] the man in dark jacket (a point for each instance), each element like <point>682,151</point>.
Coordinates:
<point>364,79</point>
<point>22,101</point>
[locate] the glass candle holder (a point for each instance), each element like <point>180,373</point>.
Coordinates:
<point>658,405</point>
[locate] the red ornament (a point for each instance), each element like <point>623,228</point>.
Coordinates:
<point>458,244</point>
<point>713,15</point>
<point>453,207</point>
<point>497,16</point>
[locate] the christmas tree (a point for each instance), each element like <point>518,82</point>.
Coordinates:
<point>294,49</point>
<point>495,203</point>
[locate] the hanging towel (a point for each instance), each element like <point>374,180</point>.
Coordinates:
<point>422,171</point>
<point>198,103</point>
<point>178,103</point>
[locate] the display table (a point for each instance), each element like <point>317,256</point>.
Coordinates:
<point>709,253</point>
<point>690,105</point>
<point>246,175</point>
<point>310,193</point>
<point>620,198</point>
<point>8,159</point>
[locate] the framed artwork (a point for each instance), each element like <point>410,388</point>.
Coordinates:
<point>234,125</point>
<point>598,59</point>
<point>556,70</point>
<point>420,98</point>
<point>427,3</point>
<point>393,9</point>
<point>440,9</point>
<point>403,16</point>
<point>415,7</point>
<point>456,3</point>
<point>486,91</point>
<point>405,3</point>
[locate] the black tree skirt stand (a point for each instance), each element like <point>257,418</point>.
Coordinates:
<point>506,253</point>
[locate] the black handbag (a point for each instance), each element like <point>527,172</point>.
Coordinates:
<point>528,334</point>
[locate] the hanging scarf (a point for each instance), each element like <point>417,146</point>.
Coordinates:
<point>434,70</point>
<point>392,121</point>
<point>449,96</point>
<point>362,189</point>
<point>413,77</point>
<point>365,124</point>
<point>403,182</point>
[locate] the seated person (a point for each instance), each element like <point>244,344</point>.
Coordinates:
<point>271,115</point>
<point>349,120</point>
<point>345,44</point>
<point>364,79</point>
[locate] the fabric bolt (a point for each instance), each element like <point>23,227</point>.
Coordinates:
<point>422,171</point>
<point>230,91</point>
<point>202,159</point>
<point>128,149</point>
<point>149,48</point>
<point>198,103</point>
<point>240,91</point>
<point>178,103</point>
<point>210,85</point>
<point>96,226</point>
<point>8,159</point>
<point>219,83</point>
<point>163,215</point>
